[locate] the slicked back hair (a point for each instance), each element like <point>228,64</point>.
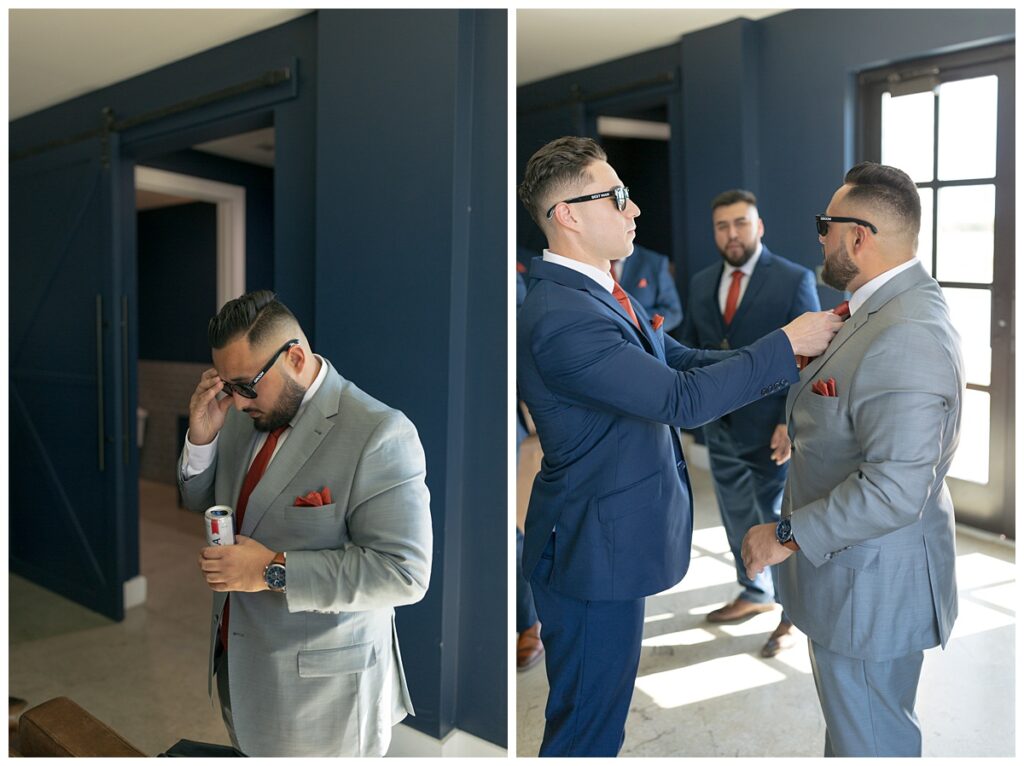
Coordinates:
<point>558,165</point>
<point>887,187</point>
<point>731,197</point>
<point>256,315</point>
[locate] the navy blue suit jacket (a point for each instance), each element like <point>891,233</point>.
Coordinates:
<point>778,292</point>
<point>607,399</point>
<point>646,278</point>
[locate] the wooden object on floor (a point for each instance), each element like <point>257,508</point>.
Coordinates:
<point>62,728</point>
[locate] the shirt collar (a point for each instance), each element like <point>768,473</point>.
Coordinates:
<point>603,278</point>
<point>865,291</point>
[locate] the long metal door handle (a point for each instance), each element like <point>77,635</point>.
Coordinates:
<point>101,436</point>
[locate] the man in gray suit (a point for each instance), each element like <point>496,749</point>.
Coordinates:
<point>865,547</point>
<point>334,532</point>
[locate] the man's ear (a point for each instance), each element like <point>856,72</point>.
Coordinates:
<point>564,217</point>
<point>296,358</point>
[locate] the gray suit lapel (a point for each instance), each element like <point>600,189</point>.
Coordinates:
<point>897,285</point>
<point>306,435</point>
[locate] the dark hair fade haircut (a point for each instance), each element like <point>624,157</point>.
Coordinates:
<point>888,187</point>
<point>557,165</point>
<point>255,315</point>
<point>733,196</point>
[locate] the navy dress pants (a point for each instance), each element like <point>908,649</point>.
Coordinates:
<point>526,614</point>
<point>748,486</point>
<point>592,652</point>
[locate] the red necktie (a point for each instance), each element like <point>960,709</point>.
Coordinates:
<point>733,298</point>
<point>252,478</point>
<point>842,310</point>
<point>623,299</point>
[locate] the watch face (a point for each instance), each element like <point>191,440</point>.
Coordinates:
<point>275,577</point>
<point>784,531</point>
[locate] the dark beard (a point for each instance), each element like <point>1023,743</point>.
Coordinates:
<point>839,270</point>
<point>285,409</point>
<point>748,253</point>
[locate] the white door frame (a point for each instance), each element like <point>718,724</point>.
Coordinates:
<point>230,201</point>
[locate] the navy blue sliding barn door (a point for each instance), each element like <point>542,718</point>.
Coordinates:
<point>69,445</point>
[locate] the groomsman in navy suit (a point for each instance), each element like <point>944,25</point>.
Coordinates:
<point>609,519</point>
<point>645,276</point>
<point>732,304</point>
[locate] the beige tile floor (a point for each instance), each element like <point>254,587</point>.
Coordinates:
<point>145,676</point>
<point>704,690</point>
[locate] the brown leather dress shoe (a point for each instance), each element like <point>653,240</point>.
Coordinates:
<point>529,649</point>
<point>781,638</point>
<point>738,609</point>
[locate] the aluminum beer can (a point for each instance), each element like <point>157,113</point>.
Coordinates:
<point>220,525</point>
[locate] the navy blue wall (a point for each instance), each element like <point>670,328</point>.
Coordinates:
<point>809,111</point>
<point>410,306</point>
<point>768,105</point>
<point>258,182</point>
<point>177,249</point>
<point>390,247</point>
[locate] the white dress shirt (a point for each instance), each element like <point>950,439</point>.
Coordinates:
<point>723,285</point>
<point>865,291</point>
<point>601,277</point>
<point>196,458</point>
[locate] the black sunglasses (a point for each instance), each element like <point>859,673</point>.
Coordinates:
<point>621,194</point>
<point>822,222</point>
<point>248,390</point>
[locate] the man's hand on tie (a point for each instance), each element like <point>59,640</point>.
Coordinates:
<point>810,333</point>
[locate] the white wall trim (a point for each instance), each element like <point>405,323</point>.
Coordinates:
<point>407,742</point>
<point>230,201</point>
<point>134,591</point>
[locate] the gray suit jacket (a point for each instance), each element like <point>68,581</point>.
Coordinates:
<point>870,509</point>
<point>317,671</point>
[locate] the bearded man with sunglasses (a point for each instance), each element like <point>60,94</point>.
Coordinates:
<point>865,548</point>
<point>609,519</point>
<point>332,533</point>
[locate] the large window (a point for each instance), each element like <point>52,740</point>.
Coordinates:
<point>948,122</point>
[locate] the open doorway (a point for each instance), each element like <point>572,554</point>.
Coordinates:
<point>204,222</point>
<point>636,134</point>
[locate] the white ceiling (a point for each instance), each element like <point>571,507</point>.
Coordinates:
<point>59,54</point>
<point>555,42</point>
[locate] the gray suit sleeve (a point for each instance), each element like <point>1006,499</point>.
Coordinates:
<point>198,492</point>
<point>901,398</point>
<point>386,562</point>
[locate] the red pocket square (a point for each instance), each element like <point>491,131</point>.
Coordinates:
<point>314,498</point>
<point>657,321</point>
<point>642,282</point>
<point>824,387</point>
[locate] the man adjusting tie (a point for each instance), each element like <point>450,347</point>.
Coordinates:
<point>609,519</point>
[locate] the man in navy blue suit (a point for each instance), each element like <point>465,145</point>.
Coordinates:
<point>646,277</point>
<point>732,304</point>
<point>609,519</point>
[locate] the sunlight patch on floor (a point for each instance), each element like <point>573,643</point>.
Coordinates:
<point>706,680</point>
<point>680,638</point>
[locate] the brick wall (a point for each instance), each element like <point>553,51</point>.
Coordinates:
<point>164,391</point>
